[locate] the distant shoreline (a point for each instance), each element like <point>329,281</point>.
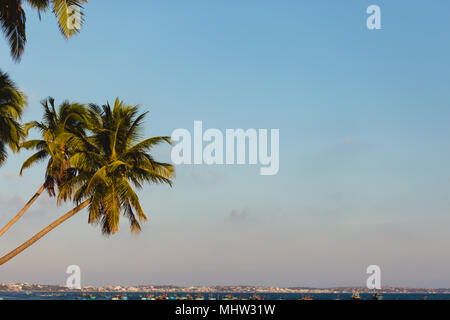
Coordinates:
<point>25,287</point>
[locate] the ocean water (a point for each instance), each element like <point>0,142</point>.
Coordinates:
<point>218,296</point>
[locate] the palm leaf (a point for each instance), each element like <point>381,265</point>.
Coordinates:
<point>33,144</point>
<point>12,20</point>
<point>63,10</point>
<point>38,156</point>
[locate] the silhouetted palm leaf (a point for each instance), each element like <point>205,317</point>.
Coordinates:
<point>12,104</point>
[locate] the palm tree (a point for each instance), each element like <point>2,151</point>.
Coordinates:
<point>13,19</point>
<point>12,104</point>
<point>57,127</point>
<point>108,164</point>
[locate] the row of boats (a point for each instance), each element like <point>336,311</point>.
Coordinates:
<point>166,297</point>
<point>375,296</point>
<point>355,296</point>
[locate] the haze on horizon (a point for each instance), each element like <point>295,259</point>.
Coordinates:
<point>364,143</point>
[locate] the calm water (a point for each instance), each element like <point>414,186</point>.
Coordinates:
<point>265,296</point>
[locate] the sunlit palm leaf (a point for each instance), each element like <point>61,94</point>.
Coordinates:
<point>35,158</point>
<point>65,12</point>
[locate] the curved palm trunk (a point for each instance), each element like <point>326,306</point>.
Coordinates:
<point>43,232</point>
<point>21,212</point>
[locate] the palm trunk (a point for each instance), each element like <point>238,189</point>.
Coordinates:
<point>21,212</point>
<point>43,232</point>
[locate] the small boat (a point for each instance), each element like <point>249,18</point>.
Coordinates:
<point>307,298</point>
<point>377,296</point>
<point>162,297</point>
<point>356,296</point>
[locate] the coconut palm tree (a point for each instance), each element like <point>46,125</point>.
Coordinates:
<point>13,19</point>
<point>56,128</point>
<point>109,165</point>
<point>12,104</point>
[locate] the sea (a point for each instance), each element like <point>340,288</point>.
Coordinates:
<point>209,296</point>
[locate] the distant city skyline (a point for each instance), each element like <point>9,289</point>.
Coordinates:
<point>364,143</point>
<point>20,287</point>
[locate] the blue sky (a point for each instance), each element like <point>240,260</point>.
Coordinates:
<point>364,142</point>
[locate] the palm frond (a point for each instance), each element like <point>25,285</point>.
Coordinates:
<point>33,144</point>
<point>66,11</point>
<point>39,5</point>
<point>37,157</point>
<point>13,20</point>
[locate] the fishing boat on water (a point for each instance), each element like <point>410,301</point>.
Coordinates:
<point>356,296</point>
<point>162,297</point>
<point>377,296</point>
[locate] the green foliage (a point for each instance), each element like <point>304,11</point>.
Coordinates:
<point>56,128</point>
<point>13,20</point>
<point>108,164</point>
<point>12,105</point>
<point>97,153</point>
